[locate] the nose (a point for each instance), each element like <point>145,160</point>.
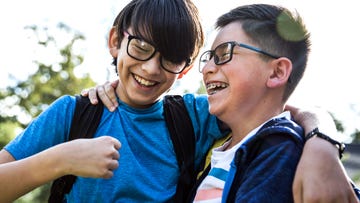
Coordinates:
<point>152,66</point>
<point>209,67</point>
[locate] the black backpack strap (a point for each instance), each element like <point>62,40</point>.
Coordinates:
<point>84,125</point>
<point>182,135</point>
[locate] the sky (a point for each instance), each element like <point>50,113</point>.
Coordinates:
<point>330,81</point>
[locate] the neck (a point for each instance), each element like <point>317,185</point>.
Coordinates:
<point>131,100</point>
<point>243,123</point>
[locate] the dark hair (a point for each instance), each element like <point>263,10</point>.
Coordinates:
<point>173,26</point>
<point>275,30</point>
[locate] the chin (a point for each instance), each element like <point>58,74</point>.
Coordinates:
<point>218,106</point>
<point>213,110</point>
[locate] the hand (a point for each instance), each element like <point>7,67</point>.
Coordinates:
<point>96,157</point>
<point>312,118</point>
<point>106,93</point>
<point>320,175</point>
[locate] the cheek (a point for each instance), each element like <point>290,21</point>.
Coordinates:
<point>122,55</point>
<point>170,79</point>
<point>124,61</point>
<point>245,76</point>
<point>242,88</point>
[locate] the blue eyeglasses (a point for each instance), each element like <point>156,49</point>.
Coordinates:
<point>224,52</point>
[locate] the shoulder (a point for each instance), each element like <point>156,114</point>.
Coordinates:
<point>65,100</point>
<point>195,97</point>
<point>277,135</point>
<point>196,102</point>
<point>63,104</point>
<point>282,127</point>
<point>193,102</point>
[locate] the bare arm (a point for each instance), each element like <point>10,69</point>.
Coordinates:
<point>96,158</point>
<point>320,175</point>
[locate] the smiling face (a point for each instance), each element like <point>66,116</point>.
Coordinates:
<point>173,28</point>
<point>237,87</point>
<point>141,82</point>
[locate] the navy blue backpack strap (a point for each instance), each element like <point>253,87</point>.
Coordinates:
<point>182,135</point>
<point>274,132</point>
<point>85,122</point>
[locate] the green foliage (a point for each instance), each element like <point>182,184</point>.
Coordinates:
<point>7,131</point>
<point>202,89</point>
<point>50,81</point>
<point>39,195</point>
<point>338,123</point>
<point>27,99</point>
<point>356,179</point>
<point>356,138</point>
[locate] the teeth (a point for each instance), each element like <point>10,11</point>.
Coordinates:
<point>142,81</point>
<point>212,88</point>
<point>215,85</point>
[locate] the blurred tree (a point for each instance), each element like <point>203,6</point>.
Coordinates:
<point>202,89</point>
<point>27,99</point>
<point>356,137</point>
<point>338,123</point>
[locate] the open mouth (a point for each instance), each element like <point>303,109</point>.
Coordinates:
<point>215,87</point>
<point>143,81</point>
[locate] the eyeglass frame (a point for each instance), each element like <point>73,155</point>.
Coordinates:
<point>233,44</point>
<point>130,37</point>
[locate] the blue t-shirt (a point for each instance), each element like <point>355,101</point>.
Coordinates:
<point>148,170</point>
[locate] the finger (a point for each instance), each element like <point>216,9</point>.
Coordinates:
<point>111,166</point>
<point>108,174</point>
<point>110,92</point>
<point>110,141</point>
<point>104,97</point>
<point>117,144</point>
<point>84,92</point>
<point>114,164</point>
<point>116,155</point>
<point>115,83</point>
<point>291,108</point>
<point>93,96</point>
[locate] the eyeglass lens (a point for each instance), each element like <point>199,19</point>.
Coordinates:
<point>222,54</point>
<point>140,49</point>
<point>143,51</point>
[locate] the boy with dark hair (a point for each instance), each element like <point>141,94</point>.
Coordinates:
<point>147,44</point>
<point>257,59</point>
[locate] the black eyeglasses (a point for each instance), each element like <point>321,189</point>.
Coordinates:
<point>141,50</point>
<point>224,52</point>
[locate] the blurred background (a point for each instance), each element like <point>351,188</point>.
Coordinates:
<point>52,48</point>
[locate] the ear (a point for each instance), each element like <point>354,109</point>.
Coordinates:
<point>280,73</point>
<point>185,71</point>
<point>113,42</point>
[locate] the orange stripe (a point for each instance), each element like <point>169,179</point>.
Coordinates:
<point>206,194</point>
